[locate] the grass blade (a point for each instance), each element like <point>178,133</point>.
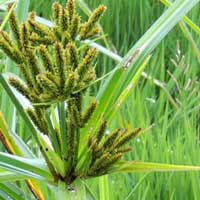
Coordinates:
<point>134,166</point>
<point>32,168</point>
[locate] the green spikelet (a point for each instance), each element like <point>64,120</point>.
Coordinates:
<point>59,57</point>
<point>64,20</point>
<point>86,62</point>
<point>43,123</point>
<point>101,130</point>
<point>90,76</point>
<point>6,37</point>
<point>88,113</point>
<point>18,56</point>
<point>74,113</point>
<point>47,85</point>
<point>36,39</point>
<point>112,138</point>
<point>74,26</point>
<point>103,168</point>
<point>21,88</point>
<point>89,26</point>
<point>26,76</point>
<point>5,46</point>
<point>93,32</point>
<point>66,38</point>
<point>9,49</point>
<point>33,64</point>
<point>56,13</point>
<point>78,98</point>
<point>34,117</point>
<point>53,78</point>
<point>14,25</point>
<point>25,35</point>
<point>71,9</point>
<point>124,150</point>
<point>126,138</point>
<point>40,29</point>
<point>98,163</point>
<point>71,51</point>
<point>46,58</point>
<point>70,83</point>
<point>31,15</point>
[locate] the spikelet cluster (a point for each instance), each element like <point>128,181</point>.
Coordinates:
<point>48,56</point>
<point>55,70</point>
<point>105,151</point>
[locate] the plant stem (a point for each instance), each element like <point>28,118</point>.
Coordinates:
<point>74,192</point>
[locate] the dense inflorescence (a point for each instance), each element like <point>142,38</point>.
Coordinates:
<point>55,70</point>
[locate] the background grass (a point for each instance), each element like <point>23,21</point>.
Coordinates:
<point>174,110</point>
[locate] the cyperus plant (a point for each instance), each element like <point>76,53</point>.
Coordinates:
<point>57,71</point>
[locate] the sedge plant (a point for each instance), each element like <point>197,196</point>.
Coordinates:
<point>57,73</point>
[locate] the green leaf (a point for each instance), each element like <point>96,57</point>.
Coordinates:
<point>127,90</point>
<point>31,168</point>
<point>134,166</point>
<point>11,191</point>
<point>189,22</point>
<point>52,135</point>
<point>104,188</point>
<point>6,176</point>
<point>14,143</point>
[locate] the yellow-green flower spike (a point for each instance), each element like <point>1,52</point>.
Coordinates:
<point>74,26</point>
<point>70,83</point>
<point>98,163</point>
<point>64,20</point>
<point>33,65</point>
<point>14,25</point>
<point>88,113</point>
<point>107,163</point>
<point>36,120</point>
<point>25,72</point>
<point>37,40</point>
<point>112,138</point>
<point>47,85</point>
<point>56,13</point>
<point>20,87</point>
<point>6,37</point>
<point>87,27</point>
<point>46,58</point>
<point>101,130</point>
<point>59,64</point>
<point>71,9</point>
<point>126,138</point>
<point>25,35</point>
<point>71,52</point>
<point>40,29</point>
<point>5,46</point>
<point>86,62</point>
<point>66,38</point>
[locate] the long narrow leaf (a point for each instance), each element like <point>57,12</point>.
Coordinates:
<point>31,168</point>
<point>189,22</point>
<point>6,176</point>
<point>134,166</point>
<point>9,190</point>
